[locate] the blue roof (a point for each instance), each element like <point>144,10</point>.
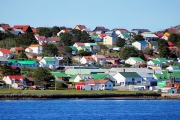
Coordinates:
<point>142,42</point>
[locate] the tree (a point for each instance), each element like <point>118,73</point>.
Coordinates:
<point>42,76</point>
<point>66,38</point>
<point>104,48</point>
<point>26,39</point>
<point>85,38</point>
<point>120,42</point>
<point>163,48</point>
<point>8,43</point>
<point>23,55</point>
<point>84,53</point>
<point>68,49</point>
<point>148,51</point>
<point>127,52</point>
<point>137,38</point>
<point>44,31</point>
<point>8,70</point>
<point>49,50</point>
<point>55,30</point>
<point>140,54</point>
<point>174,38</point>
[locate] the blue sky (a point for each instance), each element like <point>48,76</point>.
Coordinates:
<point>151,14</point>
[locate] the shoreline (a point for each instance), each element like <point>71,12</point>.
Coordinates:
<point>90,96</point>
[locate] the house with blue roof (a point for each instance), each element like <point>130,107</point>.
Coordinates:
<point>140,45</point>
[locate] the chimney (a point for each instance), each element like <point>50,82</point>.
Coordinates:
<point>123,70</point>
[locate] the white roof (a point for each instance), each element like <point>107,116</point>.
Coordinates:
<point>144,74</point>
<point>115,70</point>
<point>149,35</point>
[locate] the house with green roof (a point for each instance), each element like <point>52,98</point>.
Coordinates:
<point>99,76</point>
<point>154,63</point>
<point>24,63</point>
<point>74,50</point>
<point>48,62</point>
<point>134,61</point>
<point>168,76</point>
<point>84,71</point>
<point>162,60</point>
<point>96,38</point>
<point>172,67</point>
<point>60,76</point>
<point>128,78</point>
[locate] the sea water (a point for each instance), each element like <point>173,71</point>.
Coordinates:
<point>85,109</point>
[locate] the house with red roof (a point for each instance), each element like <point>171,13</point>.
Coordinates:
<point>87,60</point>
<point>53,40</point>
<point>78,44</point>
<point>6,53</point>
<point>5,26</point>
<point>24,28</point>
<point>169,31</point>
<point>42,40</point>
<point>171,46</point>
<point>16,81</point>
<point>82,86</point>
<point>80,27</point>
<point>112,59</point>
<point>17,49</point>
<point>99,59</point>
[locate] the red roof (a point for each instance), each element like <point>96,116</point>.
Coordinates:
<point>88,58</point>
<point>123,30</point>
<point>17,77</point>
<point>81,27</point>
<point>34,30</point>
<point>111,57</point>
<point>171,30</point>
<point>80,83</point>
<point>53,38</point>
<point>14,67</point>
<point>160,34</point>
<point>24,28</point>
<point>79,43</point>
<point>5,51</point>
<point>170,43</point>
<point>96,81</point>
<point>5,26</point>
<point>102,35</point>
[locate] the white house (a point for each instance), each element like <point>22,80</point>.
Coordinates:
<point>34,48</point>
<point>24,63</point>
<point>127,78</point>
<point>6,53</point>
<point>3,60</point>
<point>78,78</point>
<point>134,61</point>
<point>11,79</point>
<point>108,40</point>
<point>140,45</point>
<point>99,59</point>
<point>154,63</point>
<point>49,62</point>
<point>78,44</point>
<point>149,36</point>
<point>87,60</point>
<point>100,84</point>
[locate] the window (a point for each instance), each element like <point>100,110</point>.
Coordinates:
<point>109,85</point>
<point>105,85</point>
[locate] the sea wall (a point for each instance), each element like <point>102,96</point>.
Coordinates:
<point>79,96</point>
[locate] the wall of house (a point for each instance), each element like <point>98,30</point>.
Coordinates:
<point>109,86</point>
<point>130,61</point>
<point>77,79</point>
<point>137,45</point>
<point>108,41</point>
<point>143,46</point>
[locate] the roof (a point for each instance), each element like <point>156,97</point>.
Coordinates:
<point>53,38</point>
<point>17,77</point>
<point>34,30</point>
<point>24,28</point>
<point>130,74</point>
<point>149,35</point>
<point>59,74</point>
<point>170,43</point>
<point>73,48</point>
<point>96,81</point>
<point>26,62</point>
<point>84,71</point>
<point>34,45</point>
<point>144,74</point>
<point>73,77</point>
<point>126,35</point>
<point>5,51</point>
<point>15,32</point>
<point>5,26</point>
<point>88,58</point>
<point>91,44</point>
<point>49,59</point>
<point>99,56</point>
<point>115,70</point>
<point>138,59</point>
<point>79,43</point>
<point>175,67</point>
<point>111,57</point>
<point>155,61</point>
<point>171,30</point>
<point>99,76</point>
<point>95,37</point>
<point>123,30</point>
<point>161,60</point>
<point>159,34</point>
<point>142,42</point>
<point>81,27</point>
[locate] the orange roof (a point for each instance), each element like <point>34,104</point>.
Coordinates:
<point>81,27</point>
<point>34,30</point>
<point>53,38</point>
<point>5,51</point>
<point>88,58</point>
<point>17,77</point>
<point>99,56</point>
<point>34,45</point>
<point>5,26</point>
<point>111,57</point>
<point>79,43</point>
<point>24,28</point>
<point>97,81</point>
<point>19,48</point>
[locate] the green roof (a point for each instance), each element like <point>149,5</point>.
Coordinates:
<point>138,59</point>
<point>29,62</point>
<point>155,61</point>
<point>99,76</point>
<point>161,60</point>
<point>72,78</point>
<point>73,48</point>
<point>126,35</point>
<point>11,61</point>
<point>166,75</point>
<point>95,36</point>
<point>130,74</point>
<point>49,59</point>
<point>174,67</point>
<point>59,74</point>
<point>86,47</point>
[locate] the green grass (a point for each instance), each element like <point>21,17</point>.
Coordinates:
<point>14,91</point>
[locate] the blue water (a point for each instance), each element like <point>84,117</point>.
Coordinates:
<point>89,110</point>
